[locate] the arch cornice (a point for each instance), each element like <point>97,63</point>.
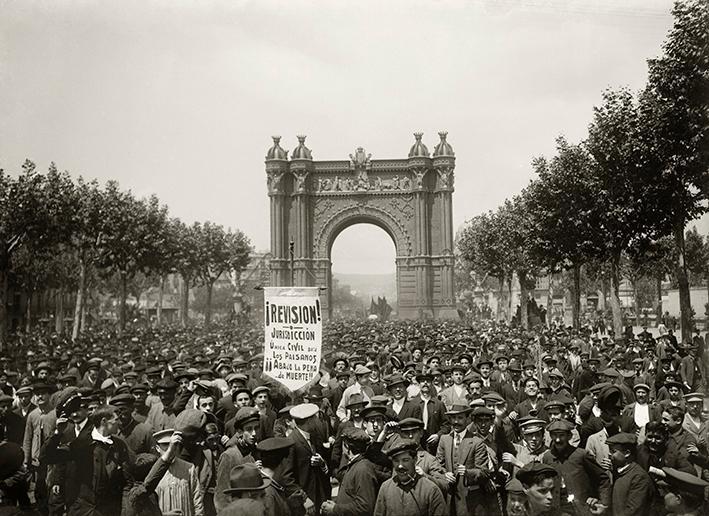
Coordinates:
<point>360,213</point>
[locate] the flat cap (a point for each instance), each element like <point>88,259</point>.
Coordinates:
<point>124,399</point>
<point>167,384</point>
<point>139,387</point>
<point>360,369</point>
<point>395,379</point>
<point>304,411</point>
<point>410,423</point>
<point>641,386</point>
<point>402,445</point>
<point>561,425</point>
<point>482,412</point>
<point>493,397</point>
<point>355,435</point>
<point>623,439</point>
<point>693,397</point>
<point>528,472</point>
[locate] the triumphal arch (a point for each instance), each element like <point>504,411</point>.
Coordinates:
<point>409,198</point>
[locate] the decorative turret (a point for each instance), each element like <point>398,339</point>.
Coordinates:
<point>301,151</point>
<point>276,152</point>
<point>443,148</point>
<point>418,150</point>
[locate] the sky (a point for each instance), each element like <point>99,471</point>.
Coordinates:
<point>180,98</point>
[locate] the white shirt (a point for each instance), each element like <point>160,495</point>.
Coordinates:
<point>397,405</point>
<point>641,415</point>
<point>96,436</point>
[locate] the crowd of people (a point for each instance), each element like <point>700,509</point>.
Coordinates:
<point>405,418</point>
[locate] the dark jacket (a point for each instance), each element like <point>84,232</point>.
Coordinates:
<point>102,472</point>
<point>313,480</point>
<point>437,421</point>
<point>632,492</point>
<point>583,477</point>
<point>358,491</point>
<point>12,428</point>
<point>409,409</point>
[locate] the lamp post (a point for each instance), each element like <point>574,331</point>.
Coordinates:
<point>291,251</point>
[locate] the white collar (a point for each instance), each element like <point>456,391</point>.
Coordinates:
<point>96,436</point>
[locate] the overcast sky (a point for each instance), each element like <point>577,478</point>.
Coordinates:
<point>180,98</point>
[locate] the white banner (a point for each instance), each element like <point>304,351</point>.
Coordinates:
<point>293,333</point>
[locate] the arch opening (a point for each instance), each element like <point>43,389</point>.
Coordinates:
<point>362,257</point>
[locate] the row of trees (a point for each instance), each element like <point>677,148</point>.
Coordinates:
<point>64,234</point>
<point>623,196</point>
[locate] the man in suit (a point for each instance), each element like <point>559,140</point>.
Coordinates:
<point>310,470</point>
<point>355,420</point>
<point>513,391</point>
<point>400,407</point>
<point>433,413</point>
<point>247,423</point>
<point>24,405</point>
<point>466,462</point>
<point>456,394</point>
<point>633,488</point>
<point>640,411</point>
<point>103,463</point>
<point>693,421</point>
<point>690,371</point>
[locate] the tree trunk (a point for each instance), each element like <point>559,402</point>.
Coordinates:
<point>4,287</point>
<point>28,313</point>
<point>501,279</point>
<point>636,301</point>
<point>208,308</point>
<point>576,298</point>
<point>122,303</point>
<point>658,310</point>
<point>615,296</point>
<point>510,302</point>
<point>80,292</point>
<point>59,311</point>
<point>84,322</point>
<point>158,316</point>
<point>523,295</point>
<point>550,300</point>
<point>685,301</point>
<point>184,315</point>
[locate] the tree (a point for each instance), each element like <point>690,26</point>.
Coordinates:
<point>130,236</point>
<point>675,121</point>
<point>625,213</point>
<point>653,259</point>
<point>33,212</point>
<point>563,214</point>
<point>482,244</point>
<point>517,230</point>
<point>187,262</point>
<point>220,252</point>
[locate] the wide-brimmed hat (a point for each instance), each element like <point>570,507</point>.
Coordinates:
<point>458,409</point>
<point>246,477</point>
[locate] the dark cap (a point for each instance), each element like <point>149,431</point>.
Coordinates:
<point>166,384</point>
<point>122,400</point>
<point>402,445</point>
<point>529,472</point>
<point>355,435</point>
<point>483,412</point>
<point>411,423</point>
<point>246,414</point>
<point>372,411</point>
<point>274,444</point>
<point>685,482</point>
<point>623,439</point>
<point>562,425</point>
